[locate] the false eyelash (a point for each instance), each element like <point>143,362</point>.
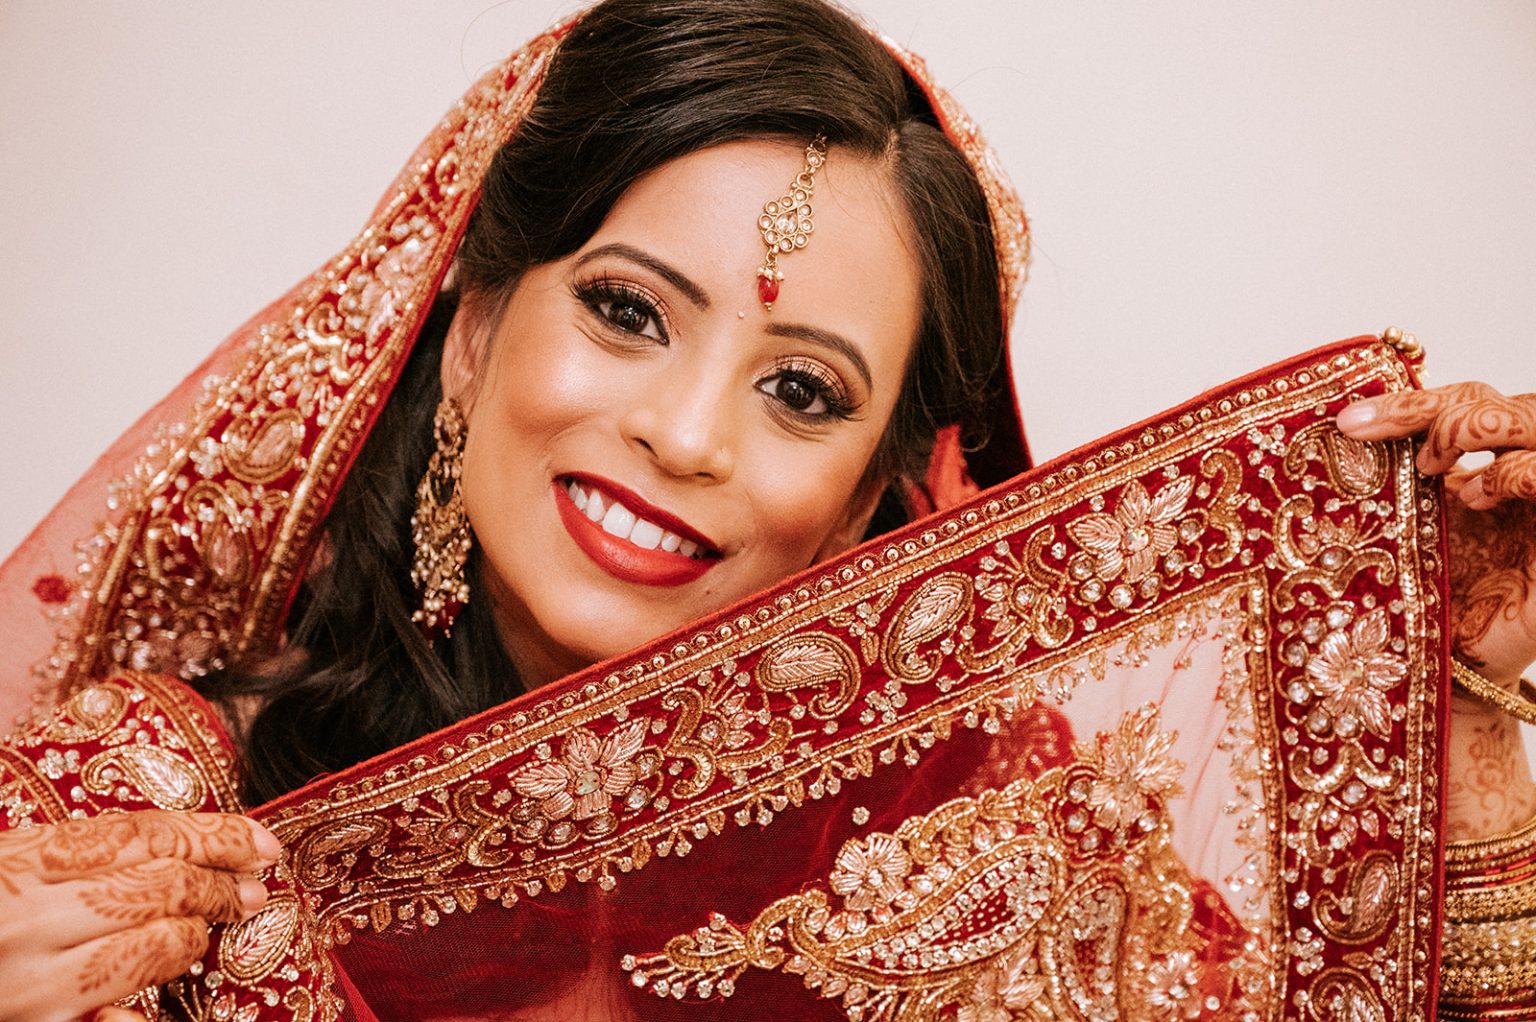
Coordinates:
<point>593,293</point>
<point>821,380</point>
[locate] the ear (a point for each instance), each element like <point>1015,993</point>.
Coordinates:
<point>463,354</point>
<point>866,498</point>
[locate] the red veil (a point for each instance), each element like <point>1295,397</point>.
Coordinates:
<point>1151,731</point>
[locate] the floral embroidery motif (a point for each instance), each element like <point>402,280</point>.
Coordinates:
<point>1173,985</point>
<point>869,874</point>
<point>588,775</point>
<point>1007,990</point>
<point>1352,673</point>
<point>1135,769</point>
<point>1137,534</point>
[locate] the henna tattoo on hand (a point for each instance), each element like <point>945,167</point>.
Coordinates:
<point>1489,421</point>
<point>1492,572</point>
<point>162,888</point>
<point>1511,476</point>
<point>1490,789</point>
<point>77,848</point>
<point>146,956</point>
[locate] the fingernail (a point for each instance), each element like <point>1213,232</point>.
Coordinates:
<point>1361,413</point>
<point>253,896</point>
<point>267,845</point>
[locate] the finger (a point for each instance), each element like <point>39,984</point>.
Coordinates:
<point>112,1013</point>
<point>161,888</point>
<point>119,840</point>
<point>1389,416</point>
<point>1510,476</point>
<point>110,968</point>
<point>1483,424</point>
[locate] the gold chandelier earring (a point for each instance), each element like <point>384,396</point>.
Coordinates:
<point>440,528</point>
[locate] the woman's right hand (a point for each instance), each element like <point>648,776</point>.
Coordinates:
<point>94,910</point>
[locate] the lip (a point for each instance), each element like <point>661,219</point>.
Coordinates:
<point>621,558</point>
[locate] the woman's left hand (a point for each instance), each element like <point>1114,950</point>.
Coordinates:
<point>1492,519</point>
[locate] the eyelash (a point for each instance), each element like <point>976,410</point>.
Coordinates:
<point>819,380</point>
<point>606,291</point>
<point>824,384</point>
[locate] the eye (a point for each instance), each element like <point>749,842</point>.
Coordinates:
<point>807,390</point>
<point>631,317</point>
<point>795,393</point>
<point>624,308</point>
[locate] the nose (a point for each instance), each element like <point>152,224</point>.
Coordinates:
<point>683,421</point>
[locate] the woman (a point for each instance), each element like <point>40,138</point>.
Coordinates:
<point>578,273</point>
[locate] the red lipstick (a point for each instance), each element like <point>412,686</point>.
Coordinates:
<point>621,558</point>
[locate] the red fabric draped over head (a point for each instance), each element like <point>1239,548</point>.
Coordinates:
<point>219,492</point>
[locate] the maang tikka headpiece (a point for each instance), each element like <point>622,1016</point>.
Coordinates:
<point>786,221</point>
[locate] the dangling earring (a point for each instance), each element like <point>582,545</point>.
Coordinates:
<point>440,528</point>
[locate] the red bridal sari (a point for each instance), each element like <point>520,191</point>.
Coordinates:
<point>1152,731</point>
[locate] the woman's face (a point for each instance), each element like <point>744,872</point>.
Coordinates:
<point>647,443</point>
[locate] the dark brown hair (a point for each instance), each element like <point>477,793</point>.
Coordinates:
<point>636,83</point>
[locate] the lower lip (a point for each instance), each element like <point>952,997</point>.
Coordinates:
<point>621,558</point>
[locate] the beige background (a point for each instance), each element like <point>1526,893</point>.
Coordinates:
<point>1213,185</point>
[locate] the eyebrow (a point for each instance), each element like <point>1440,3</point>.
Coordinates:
<point>671,274</point>
<point>825,339</point>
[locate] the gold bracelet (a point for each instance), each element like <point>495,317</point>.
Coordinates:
<point>1521,707</point>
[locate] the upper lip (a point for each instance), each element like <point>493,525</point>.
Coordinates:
<point>645,509</point>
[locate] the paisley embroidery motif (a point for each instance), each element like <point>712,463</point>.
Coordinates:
<point>158,775</point>
<point>250,950</point>
<point>991,908</point>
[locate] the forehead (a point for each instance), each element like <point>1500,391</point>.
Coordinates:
<point>700,212</point>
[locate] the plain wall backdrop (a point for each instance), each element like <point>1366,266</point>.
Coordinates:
<point>1213,186</point>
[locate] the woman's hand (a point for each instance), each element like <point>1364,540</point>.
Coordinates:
<point>94,910</point>
<point>1492,520</point>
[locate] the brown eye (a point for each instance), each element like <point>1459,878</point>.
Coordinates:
<point>795,393</point>
<point>798,393</point>
<point>627,316</point>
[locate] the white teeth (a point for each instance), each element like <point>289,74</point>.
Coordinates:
<point>618,520</point>
<point>595,508</point>
<point>645,535</point>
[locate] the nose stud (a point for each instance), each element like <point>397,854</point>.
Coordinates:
<point>786,222</point>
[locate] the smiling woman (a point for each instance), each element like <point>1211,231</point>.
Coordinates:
<point>513,563</point>
<point>605,328</point>
<point>642,369</point>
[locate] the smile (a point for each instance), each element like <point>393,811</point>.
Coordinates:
<point>629,538</point>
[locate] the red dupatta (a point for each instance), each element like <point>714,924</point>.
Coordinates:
<point>1154,730</point>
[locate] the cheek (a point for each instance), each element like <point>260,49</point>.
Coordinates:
<point>801,502</point>
<point>537,390</point>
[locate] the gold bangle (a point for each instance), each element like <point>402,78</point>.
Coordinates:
<point>1521,707</point>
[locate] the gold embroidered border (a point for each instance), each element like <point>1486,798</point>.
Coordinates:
<point>1357,791</point>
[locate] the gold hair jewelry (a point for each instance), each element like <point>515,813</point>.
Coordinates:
<point>1522,706</point>
<point>440,528</point>
<point>786,222</point>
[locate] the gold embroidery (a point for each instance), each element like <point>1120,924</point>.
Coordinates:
<point>87,715</point>
<point>157,774</point>
<point>1049,898</point>
<point>1139,532</point>
<point>250,950</point>
<point>812,660</point>
<point>215,521</point>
